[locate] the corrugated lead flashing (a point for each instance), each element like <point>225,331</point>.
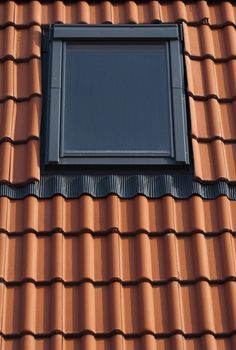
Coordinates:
<point>125,186</point>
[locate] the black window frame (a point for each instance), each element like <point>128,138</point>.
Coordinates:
<point>59,35</point>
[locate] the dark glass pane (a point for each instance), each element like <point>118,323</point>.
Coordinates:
<point>116,98</point>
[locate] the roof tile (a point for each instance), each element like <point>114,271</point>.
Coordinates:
<point>116,342</point>
<point>114,273</point>
<point>20,80</point>
<point>20,121</point>
<point>211,119</point>
<point>95,215</point>
<point>20,44</point>
<point>214,160</point>
<point>222,13</point>
<point>191,309</point>
<point>129,259</point>
<point>13,168</point>
<point>206,42</point>
<point>84,12</point>
<point>209,79</point>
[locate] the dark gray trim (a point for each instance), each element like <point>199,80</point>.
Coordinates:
<point>125,186</point>
<point>178,103</point>
<point>106,31</point>
<point>54,106</point>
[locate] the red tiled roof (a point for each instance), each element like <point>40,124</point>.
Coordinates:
<point>117,342</point>
<point>210,62</point>
<point>154,258</point>
<point>126,309</point>
<point>216,13</point>
<point>130,266</point>
<point>112,273</point>
<point>128,216</point>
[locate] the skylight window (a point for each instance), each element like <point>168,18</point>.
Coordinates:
<point>116,96</point>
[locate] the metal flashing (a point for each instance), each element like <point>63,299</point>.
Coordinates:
<point>106,31</point>
<point>125,186</point>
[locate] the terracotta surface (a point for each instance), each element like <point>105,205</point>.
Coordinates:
<point>111,273</point>
<point>158,273</point>
<point>209,79</point>
<point>115,256</point>
<point>19,161</point>
<point>20,80</point>
<point>190,308</point>
<point>20,121</point>
<point>214,160</point>
<point>20,44</point>
<point>208,42</point>
<point>212,119</point>
<point>117,342</point>
<point>84,12</point>
<point>111,214</point>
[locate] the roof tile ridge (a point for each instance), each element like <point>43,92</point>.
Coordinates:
<point>116,281</point>
<point>211,139</point>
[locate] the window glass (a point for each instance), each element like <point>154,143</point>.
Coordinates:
<point>116,98</point>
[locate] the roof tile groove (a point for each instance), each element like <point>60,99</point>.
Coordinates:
<point>20,121</point>
<point>129,259</point>
<point>113,214</point>
<point>205,42</point>
<point>129,12</point>
<point>100,309</point>
<point>20,80</point>
<point>21,44</point>
<point>215,160</point>
<point>118,341</point>
<point>209,79</point>
<point>211,119</point>
<point>13,168</point>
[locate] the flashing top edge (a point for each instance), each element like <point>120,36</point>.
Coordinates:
<point>112,31</point>
<point>124,186</point>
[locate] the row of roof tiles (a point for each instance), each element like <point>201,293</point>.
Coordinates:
<point>206,79</point>
<point>20,121</point>
<point>128,259</point>
<point>117,342</point>
<point>35,12</point>
<point>129,309</point>
<point>212,160</point>
<point>127,216</point>
<point>200,42</point>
